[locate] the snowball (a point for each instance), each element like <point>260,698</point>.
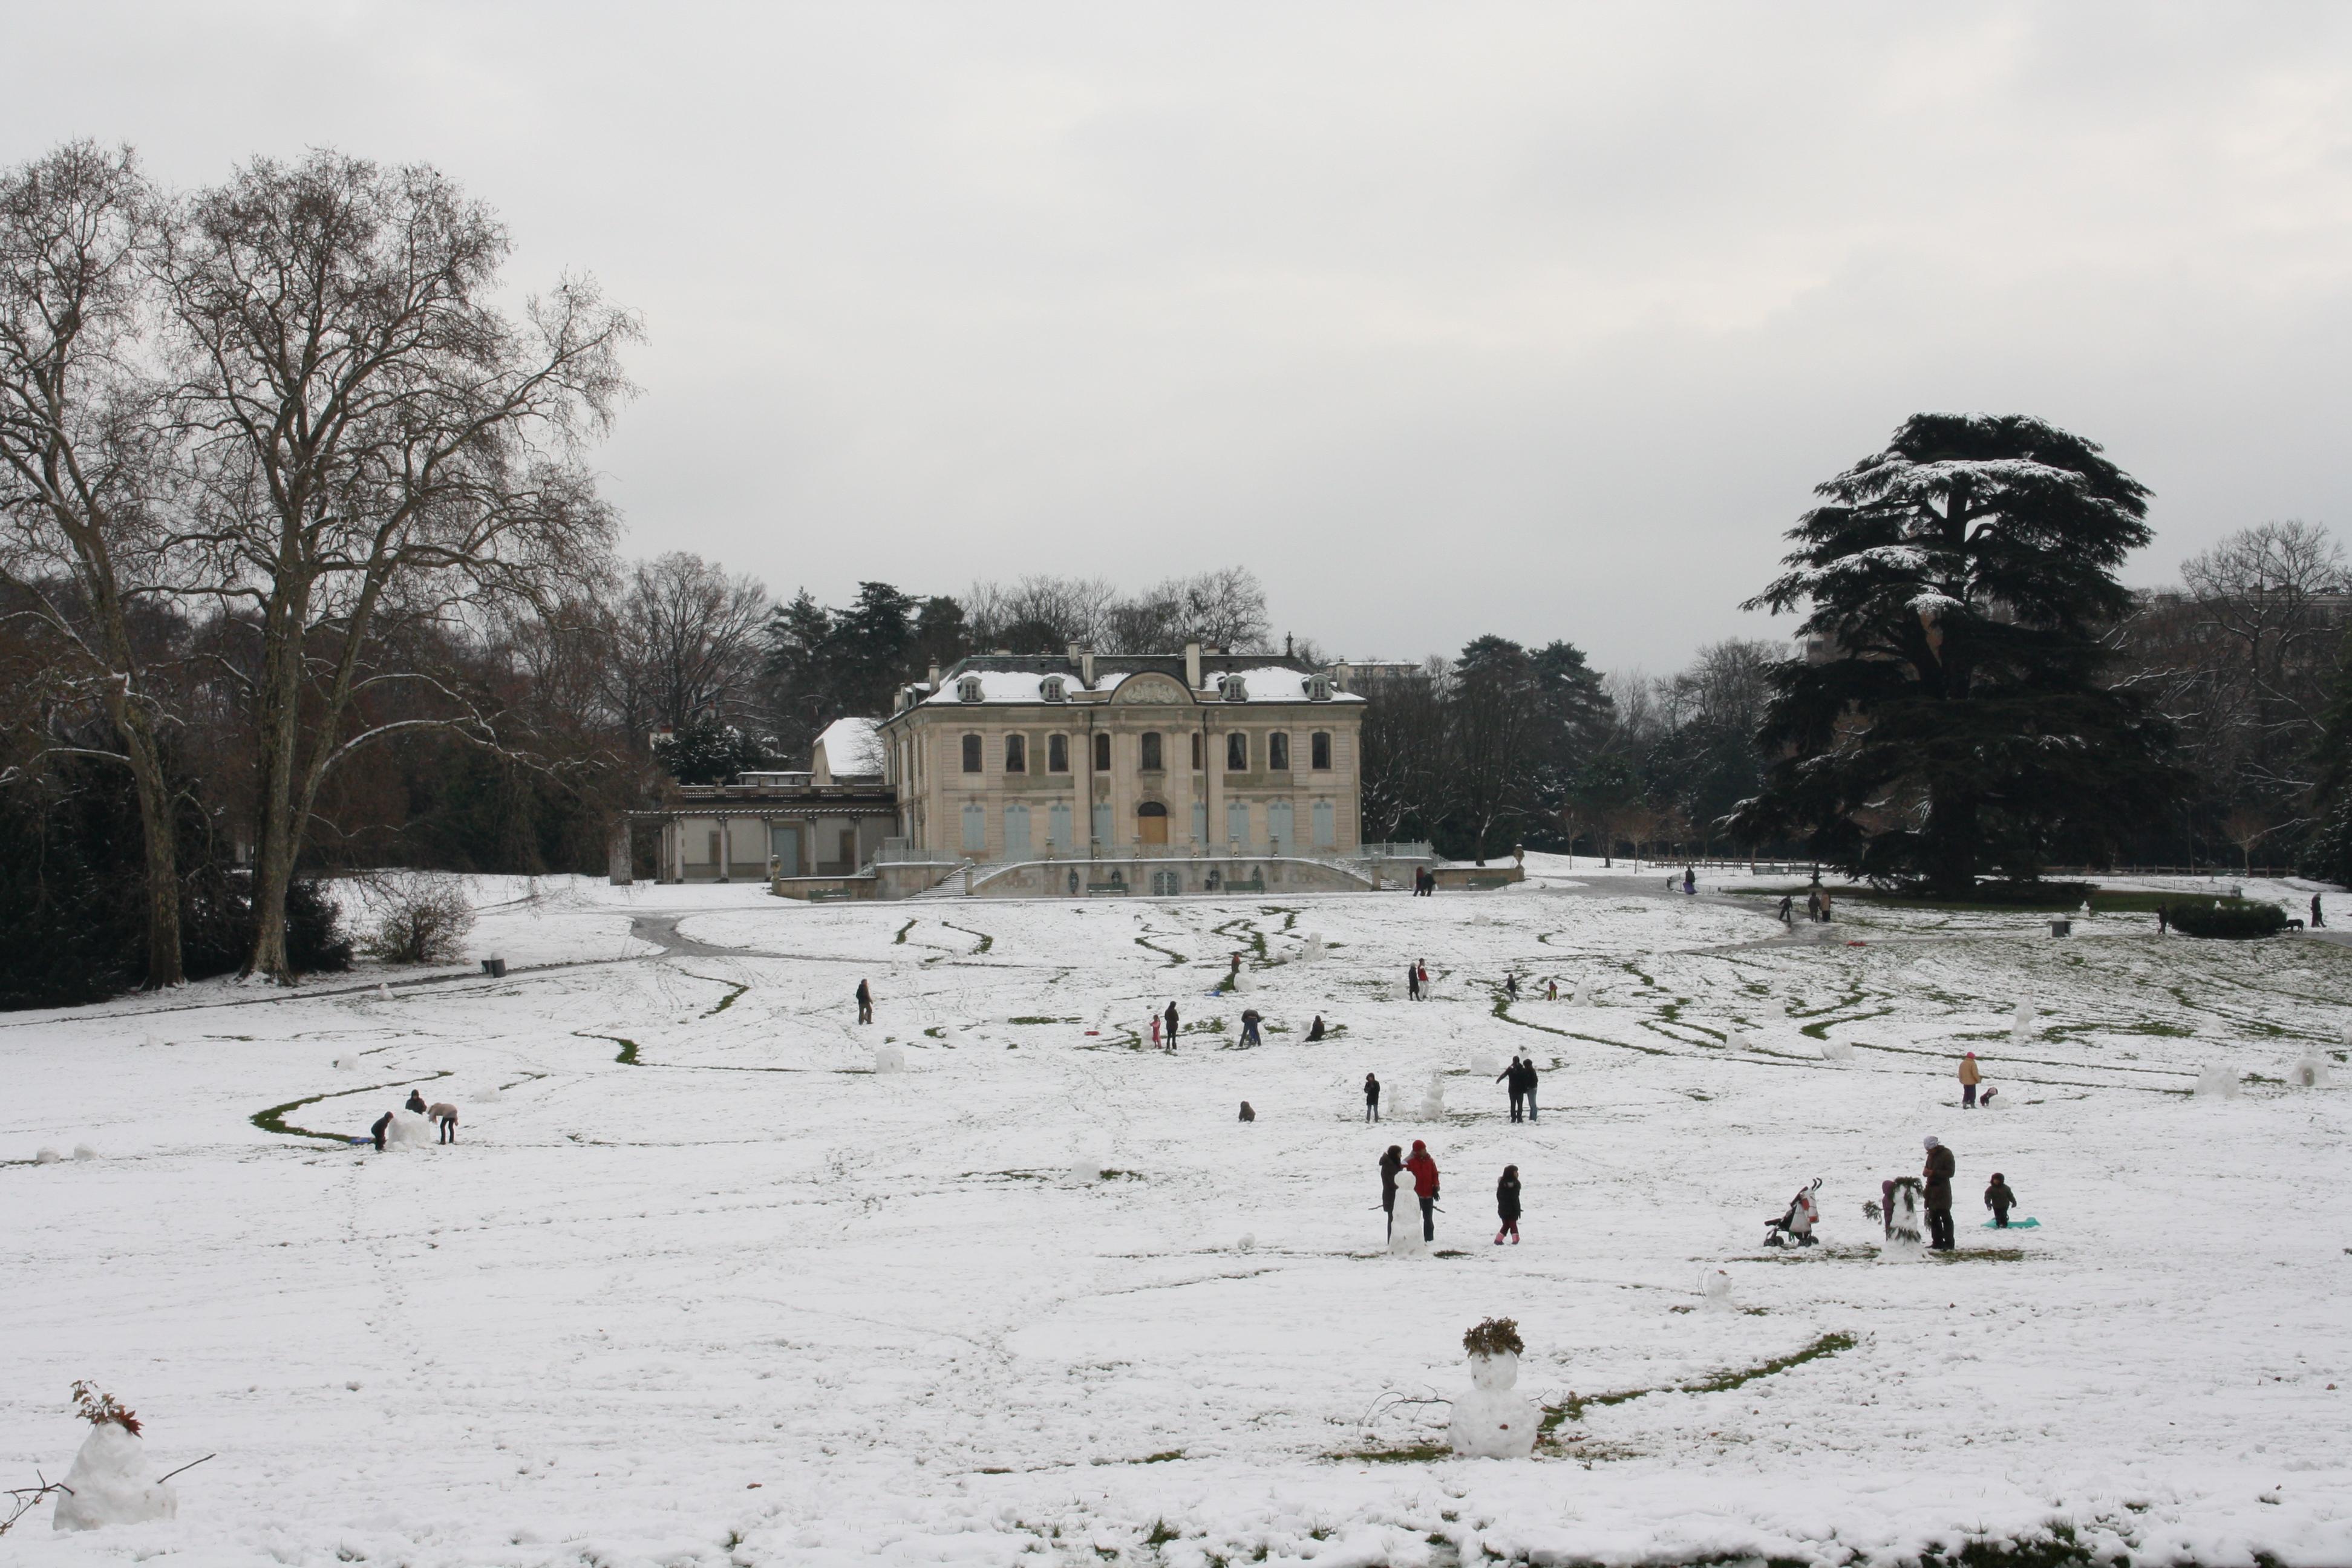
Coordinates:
<point>48,1157</point>
<point>111,1483</point>
<point>84,1152</point>
<point>1085,1170</point>
<point>1491,1421</point>
<point>1242,982</point>
<point>1247,1242</point>
<point>1836,1051</point>
<point>345,1064</point>
<point>2311,1072</point>
<point>408,1130</point>
<point>2218,1082</point>
<point>890,1058</point>
<point>487,1095</point>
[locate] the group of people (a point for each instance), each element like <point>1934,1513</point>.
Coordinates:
<point>1520,1078</point>
<point>1817,905</point>
<point>1424,882</point>
<point>1395,1165</point>
<point>1936,1197</point>
<point>1416,979</point>
<point>442,1114</point>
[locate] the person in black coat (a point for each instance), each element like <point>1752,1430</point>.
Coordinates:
<point>1315,1030</point>
<point>2001,1200</point>
<point>1506,1204</point>
<point>1171,1017</point>
<point>415,1102</point>
<point>1413,981</point>
<point>382,1123</point>
<point>1392,1167</point>
<point>1509,1077</point>
<point>1373,1099</point>
<point>865,1003</point>
<point>1528,1084</point>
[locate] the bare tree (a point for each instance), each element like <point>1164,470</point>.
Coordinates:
<point>686,639</point>
<point>1403,748</point>
<point>83,476</point>
<point>376,443</point>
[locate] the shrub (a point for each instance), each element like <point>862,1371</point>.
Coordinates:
<point>1496,1336</point>
<point>2231,921</point>
<point>422,926</point>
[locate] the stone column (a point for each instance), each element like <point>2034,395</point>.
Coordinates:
<point>617,869</point>
<point>1213,760</point>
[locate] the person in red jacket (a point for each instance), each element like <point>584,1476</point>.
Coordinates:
<point>1424,1187</point>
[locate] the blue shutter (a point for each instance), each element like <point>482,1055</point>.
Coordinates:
<point>1326,836</point>
<point>1199,821</point>
<point>1057,827</point>
<point>1018,845</point>
<point>1102,824</point>
<point>1278,826</point>
<point>1237,823</point>
<point>975,828</point>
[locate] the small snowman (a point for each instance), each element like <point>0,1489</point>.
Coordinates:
<point>1312,948</point>
<point>2218,1082</point>
<point>2310,1071</point>
<point>112,1482</point>
<point>2020,1021</point>
<point>1491,1421</point>
<point>1837,1051</point>
<point>1715,1290</point>
<point>1432,1098</point>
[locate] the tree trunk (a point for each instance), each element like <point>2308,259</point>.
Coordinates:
<point>278,734</point>
<point>164,967</point>
<point>1950,846</point>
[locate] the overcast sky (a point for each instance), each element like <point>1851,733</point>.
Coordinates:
<point>1444,318</point>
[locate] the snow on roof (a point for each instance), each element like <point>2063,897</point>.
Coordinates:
<point>1266,683</point>
<point>849,748</point>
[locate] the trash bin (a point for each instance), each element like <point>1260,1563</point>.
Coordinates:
<point>496,966</point>
<point>2060,928</point>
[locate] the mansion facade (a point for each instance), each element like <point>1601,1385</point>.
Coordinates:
<point>1009,758</point>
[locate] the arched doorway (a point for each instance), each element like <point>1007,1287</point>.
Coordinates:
<point>1152,823</point>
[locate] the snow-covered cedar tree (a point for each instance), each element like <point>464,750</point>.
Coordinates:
<point>704,751</point>
<point>1954,718</point>
<point>1496,1336</point>
<point>98,1407</point>
<point>423,925</point>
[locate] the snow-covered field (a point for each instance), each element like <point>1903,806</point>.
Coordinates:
<point>700,1286</point>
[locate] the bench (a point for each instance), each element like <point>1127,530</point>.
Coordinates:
<point>825,895</point>
<point>1105,889</point>
<point>1488,884</point>
<point>1234,884</point>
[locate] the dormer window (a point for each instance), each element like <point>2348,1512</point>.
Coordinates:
<point>1053,688</point>
<point>968,688</point>
<point>1318,689</point>
<point>1231,689</point>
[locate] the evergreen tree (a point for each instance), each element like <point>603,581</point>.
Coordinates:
<point>871,648</point>
<point>799,685</point>
<point>1954,720</point>
<point>2329,851</point>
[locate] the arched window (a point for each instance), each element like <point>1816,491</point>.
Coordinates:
<point>1277,752</point>
<point>1318,748</point>
<point>1016,754</point>
<point>971,753</point>
<point>1152,761</point>
<point>1196,751</point>
<point>1057,753</point>
<point>1236,752</point>
<point>1102,753</point>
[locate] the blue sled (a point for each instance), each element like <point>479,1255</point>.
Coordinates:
<point>2016,1224</point>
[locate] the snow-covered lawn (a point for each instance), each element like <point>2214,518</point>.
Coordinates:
<point>697,1285</point>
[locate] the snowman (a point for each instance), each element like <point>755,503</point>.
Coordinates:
<point>2310,1071</point>
<point>2020,1021</point>
<point>1715,1291</point>
<point>1432,1098</point>
<point>1405,1226</point>
<point>1312,948</point>
<point>1491,1421</point>
<point>112,1482</point>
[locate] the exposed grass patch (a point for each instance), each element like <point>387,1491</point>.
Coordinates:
<point>1417,1453</point>
<point>986,941</point>
<point>734,990</point>
<point>1573,1407</point>
<point>1172,956</point>
<point>903,930</point>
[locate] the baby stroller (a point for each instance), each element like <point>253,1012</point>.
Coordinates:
<point>1795,1228</point>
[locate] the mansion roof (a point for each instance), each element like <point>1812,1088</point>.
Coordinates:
<point>1026,680</point>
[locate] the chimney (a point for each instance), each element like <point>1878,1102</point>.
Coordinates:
<point>1085,665</point>
<point>934,676</point>
<point>1193,667</point>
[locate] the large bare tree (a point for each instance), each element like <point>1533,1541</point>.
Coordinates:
<point>376,442</point>
<point>686,637</point>
<point>84,482</point>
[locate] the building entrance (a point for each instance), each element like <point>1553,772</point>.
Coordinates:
<point>1152,823</point>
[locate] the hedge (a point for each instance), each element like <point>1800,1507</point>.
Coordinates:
<point>2235,922</point>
